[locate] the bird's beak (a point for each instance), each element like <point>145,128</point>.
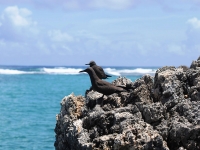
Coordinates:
<point>87,64</point>
<point>82,71</point>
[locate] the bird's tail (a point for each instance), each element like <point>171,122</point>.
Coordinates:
<point>127,87</point>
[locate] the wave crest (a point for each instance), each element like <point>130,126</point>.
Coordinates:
<point>11,71</point>
<point>61,70</point>
<point>136,71</point>
<point>75,71</point>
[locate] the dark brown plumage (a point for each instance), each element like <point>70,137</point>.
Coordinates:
<point>98,70</point>
<point>102,86</point>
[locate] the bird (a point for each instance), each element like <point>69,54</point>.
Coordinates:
<point>98,70</point>
<point>102,86</point>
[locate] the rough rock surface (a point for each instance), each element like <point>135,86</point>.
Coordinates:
<point>157,113</point>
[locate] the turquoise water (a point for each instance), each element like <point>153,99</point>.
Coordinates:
<point>30,99</point>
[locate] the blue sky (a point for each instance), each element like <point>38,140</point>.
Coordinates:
<point>111,32</point>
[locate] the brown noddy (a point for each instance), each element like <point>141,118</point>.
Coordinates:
<point>98,70</point>
<point>102,86</point>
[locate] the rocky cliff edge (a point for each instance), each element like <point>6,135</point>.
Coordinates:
<point>158,113</point>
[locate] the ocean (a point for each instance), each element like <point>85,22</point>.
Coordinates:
<point>30,98</point>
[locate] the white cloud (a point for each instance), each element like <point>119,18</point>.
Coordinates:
<point>116,35</point>
<point>194,22</point>
<point>16,24</point>
<point>58,36</point>
<point>17,16</point>
<point>193,35</point>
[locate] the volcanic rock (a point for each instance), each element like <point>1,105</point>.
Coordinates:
<point>157,113</point>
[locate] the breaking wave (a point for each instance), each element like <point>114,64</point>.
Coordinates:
<point>136,71</point>
<point>61,70</point>
<point>11,71</point>
<point>74,71</point>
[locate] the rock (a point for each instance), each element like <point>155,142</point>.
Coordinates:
<point>153,113</point>
<point>194,82</point>
<point>169,84</point>
<point>142,90</point>
<point>158,113</point>
<point>195,64</point>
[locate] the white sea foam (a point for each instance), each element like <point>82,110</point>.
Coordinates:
<point>61,70</point>
<point>10,71</point>
<point>136,71</point>
<point>74,71</point>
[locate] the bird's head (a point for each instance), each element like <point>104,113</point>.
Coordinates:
<point>88,70</point>
<point>91,63</point>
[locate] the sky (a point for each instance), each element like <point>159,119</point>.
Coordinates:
<point>110,32</point>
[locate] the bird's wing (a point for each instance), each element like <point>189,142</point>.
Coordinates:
<point>101,71</point>
<point>100,68</point>
<point>101,83</point>
<point>103,74</point>
<point>108,87</point>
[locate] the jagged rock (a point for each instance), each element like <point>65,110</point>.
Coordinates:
<point>142,90</point>
<point>168,84</point>
<point>195,64</point>
<point>158,113</point>
<point>153,113</point>
<point>194,82</point>
<point>122,81</point>
<point>183,133</point>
